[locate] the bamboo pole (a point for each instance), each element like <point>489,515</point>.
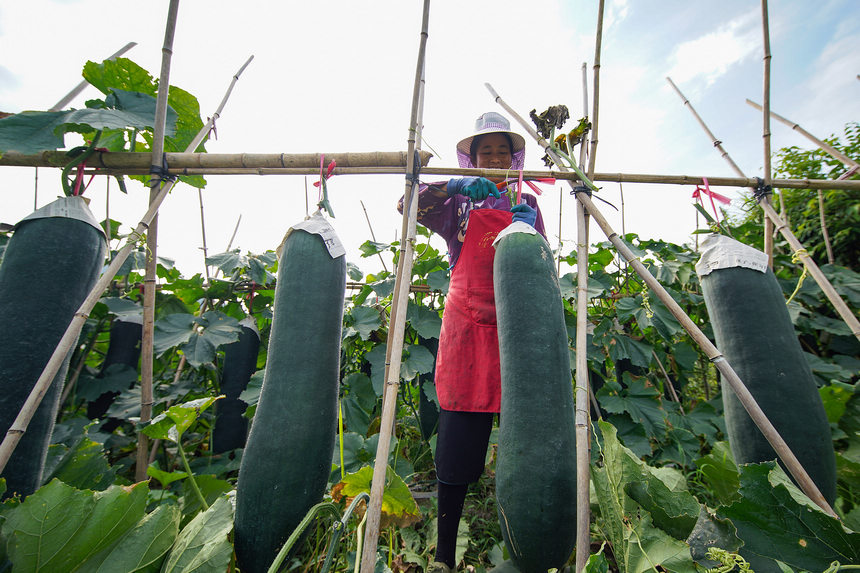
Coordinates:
<point>46,159</point>
<point>729,375</point>
<point>138,162</point>
<point>81,86</point>
<point>397,325</point>
<point>717,143</point>
<point>146,345</point>
<point>768,224</point>
<point>847,161</point>
<point>824,234</point>
<point>70,337</point>
<point>582,421</point>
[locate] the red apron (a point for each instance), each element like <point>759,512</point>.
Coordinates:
<point>467,364</point>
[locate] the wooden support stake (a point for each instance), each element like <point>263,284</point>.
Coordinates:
<point>156,163</point>
<point>396,330</point>
<point>729,375</point>
<point>768,224</point>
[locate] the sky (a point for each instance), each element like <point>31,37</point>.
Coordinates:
<point>337,76</point>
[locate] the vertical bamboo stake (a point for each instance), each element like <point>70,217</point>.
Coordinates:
<point>746,398</point>
<point>824,234</point>
<point>70,336</point>
<point>717,143</point>
<point>146,346</point>
<point>203,234</point>
<point>768,224</point>
<point>397,326</point>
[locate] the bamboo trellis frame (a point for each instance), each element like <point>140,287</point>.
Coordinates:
<point>388,163</point>
<point>746,398</point>
<point>768,224</point>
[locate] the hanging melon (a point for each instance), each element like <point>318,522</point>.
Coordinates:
<point>240,362</point>
<point>536,466</point>
<point>754,332</point>
<point>287,460</point>
<point>51,263</point>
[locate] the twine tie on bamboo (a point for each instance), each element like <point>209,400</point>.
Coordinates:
<point>796,258</point>
<point>161,172</point>
<point>761,189</point>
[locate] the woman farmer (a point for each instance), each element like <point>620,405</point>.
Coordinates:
<point>468,213</point>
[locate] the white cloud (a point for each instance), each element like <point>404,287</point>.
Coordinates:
<point>712,55</point>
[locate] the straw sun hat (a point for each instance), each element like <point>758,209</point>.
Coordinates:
<point>492,122</point>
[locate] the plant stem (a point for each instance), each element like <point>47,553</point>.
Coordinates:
<point>191,475</point>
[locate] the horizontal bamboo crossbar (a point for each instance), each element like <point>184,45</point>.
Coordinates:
<point>372,163</point>
<point>128,161</point>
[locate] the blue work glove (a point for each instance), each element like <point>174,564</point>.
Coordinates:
<point>475,188</point>
<point>523,212</point>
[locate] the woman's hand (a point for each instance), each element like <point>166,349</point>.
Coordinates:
<point>475,188</point>
<point>525,213</point>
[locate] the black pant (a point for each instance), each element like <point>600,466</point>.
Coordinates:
<point>461,446</point>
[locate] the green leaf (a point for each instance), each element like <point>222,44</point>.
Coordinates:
<point>123,308</point>
<point>228,261</point>
<point>425,321</point>
<point>144,545</point>
<point>640,400</point>
<point>163,477</point>
<point>140,107</point>
<point>364,320</point>
<point>211,487</point>
<point>773,524</point>
<point>637,543</point>
<point>119,73</point>
<point>384,287</point>
<point>173,330</point>
<point>720,472</point>
<point>170,425</point>
<point>398,505</point>
<point>439,280</point>
<point>685,355</point>
<point>116,378</point>
<point>251,394</point>
<point>419,361</point>
<point>370,248</point>
<point>202,545</point>
<point>712,532</point>
<point>59,528</point>
<point>835,398</point>
<point>83,465</point>
<point>621,347</point>
<point>31,131</point>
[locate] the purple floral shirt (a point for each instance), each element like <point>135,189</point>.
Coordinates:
<point>449,216</point>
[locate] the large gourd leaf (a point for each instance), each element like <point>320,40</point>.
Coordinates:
<point>145,545</point>
<point>638,543</point>
<point>776,521</point>
<point>398,505</point>
<point>202,545</point>
<point>82,465</point>
<point>60,528</point>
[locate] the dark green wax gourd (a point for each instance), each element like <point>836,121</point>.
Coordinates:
<point>287,459</point>
<point>240,362</point>
<point>536,466</point>
<point>754,332</point>
<point>51,263</point>
<point>123,351</point>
